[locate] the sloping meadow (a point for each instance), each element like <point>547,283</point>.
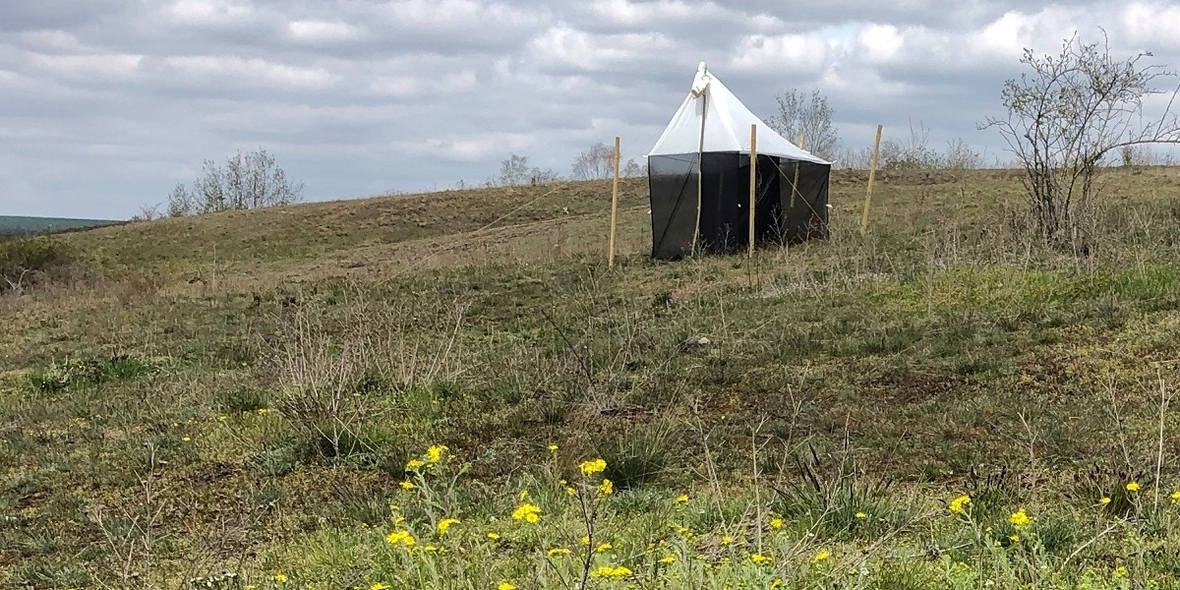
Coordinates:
<point>801,419</point>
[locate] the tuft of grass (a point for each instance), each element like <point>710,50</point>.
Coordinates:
<point>639,456</point>
<point>243,400</point>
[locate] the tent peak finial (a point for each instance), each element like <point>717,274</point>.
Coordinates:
<point>701,80</point>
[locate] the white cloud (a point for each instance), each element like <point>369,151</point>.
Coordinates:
<point>255,71</point>
<point>210,12</point>
<point>315,31</point>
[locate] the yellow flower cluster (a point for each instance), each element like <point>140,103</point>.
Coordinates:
<point>1020,519</point>
<point>591,467</point>
<point>402,538</point>
<point>445,524</point>
<point>611,573</point>
<point>607,488</point>
<point>527,512</point>
<point>959,505</point>
<point>434,455</point>
<point>558,551</point>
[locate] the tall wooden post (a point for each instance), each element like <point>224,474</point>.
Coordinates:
<point>614,206</point>
<point>864,218</point>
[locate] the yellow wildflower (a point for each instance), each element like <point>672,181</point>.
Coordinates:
<point>1133,486</point>
<point>505,586</point>
<point>1175,496</point>
<point>445,524</point>
<point>1020,519</point>
<point>529,513</point>
<point>591,467</point>
<point>607,488</point>
<point>759,559</point>
<point>613,573</point>
<point>552,448</point>
<point>684,531</point>
<point>1015,538</point>
<point>603,547</point>
<point>263,411</point>
<point>668,559</point>
<point>281,578</point>
<point>435,453</point>
<point>379,586</point>
<point>822,556</point>
<point>959,505</point>
<point>558,551</point>
<point>776,523</point>
<point>570,491</point>
<point>414,465</point>
<point>585,540</point>
<point>1120,571</point>
<point>494,536</point>
<point>682,499</point>
<point>1104,501</point>
<point>403,538</point>
<point>726,540</point>
<point>861,516</point>
<point>408,485</point>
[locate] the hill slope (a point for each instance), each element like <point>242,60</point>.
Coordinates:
<point>244,391</point>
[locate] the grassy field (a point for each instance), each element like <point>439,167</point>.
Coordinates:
<point>412,391</point>
<point>16,225</point>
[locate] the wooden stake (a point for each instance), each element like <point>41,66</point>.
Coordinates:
<point>614,206</point>
<point>795,183</point>
<point>753,183</point>
<point>864,218</point>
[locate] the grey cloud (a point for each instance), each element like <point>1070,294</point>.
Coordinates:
<point>105,104</point>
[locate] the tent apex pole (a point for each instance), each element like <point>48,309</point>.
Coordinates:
<point>696,232</point>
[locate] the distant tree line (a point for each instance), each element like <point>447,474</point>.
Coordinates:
<point>246,181</point>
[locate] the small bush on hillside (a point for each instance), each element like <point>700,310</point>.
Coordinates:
<point>80,373</point>
<point>26,261</point>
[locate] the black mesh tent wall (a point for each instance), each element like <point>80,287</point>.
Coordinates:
<point>710,202</point>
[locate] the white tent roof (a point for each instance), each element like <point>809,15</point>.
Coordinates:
<point>726,122</point>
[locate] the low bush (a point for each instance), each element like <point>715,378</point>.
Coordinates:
<point>26,261</point>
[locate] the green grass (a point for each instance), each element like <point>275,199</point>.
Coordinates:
<point>173,416</point>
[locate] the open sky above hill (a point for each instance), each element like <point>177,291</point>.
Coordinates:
<point>105,105</point>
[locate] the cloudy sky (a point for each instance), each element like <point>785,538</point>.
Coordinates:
<point>106,104</point>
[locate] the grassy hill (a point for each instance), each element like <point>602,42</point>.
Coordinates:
<point>11,225</point>
<point>258,392</point>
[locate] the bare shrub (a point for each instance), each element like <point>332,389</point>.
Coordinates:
<point>596,163</point>
<point>246,181</point>
<point>809,115</point>
<point>1069,112</point>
